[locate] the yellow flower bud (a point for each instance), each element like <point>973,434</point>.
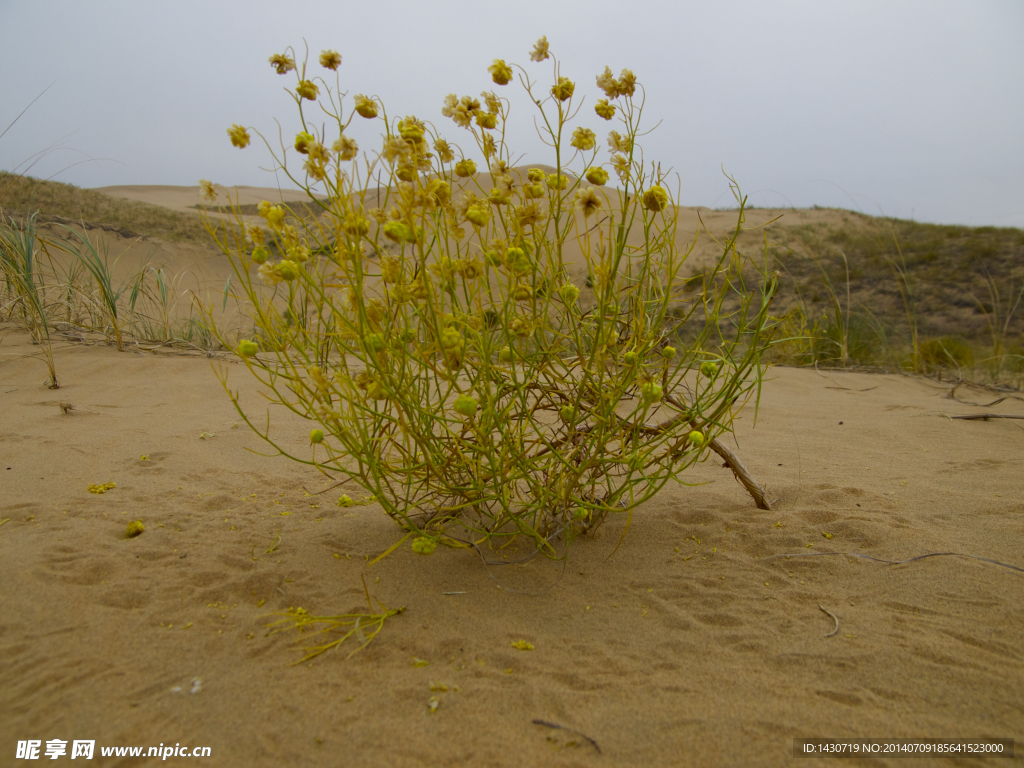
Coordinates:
<point>655,199</point>
<point>562,90</point>
<point>465,168</point>
<point>374,342</point>
<point>239,136</point>
<point>259,255</point>
<point>486,120</point>
<point>629,358</point>
<point>287,270</point>
<point>330,60</point>
<point>569,293</point>
<point>423,545</point>
<point>396,231</point>
<point>696,438</point>
<point>316,436</point>
<point>567,414</point>
<point>505,354</point>
<point>466,405</point>
<point>650,391</point>
<point>533,191</point>
<point>517,260</point>
<point>709,369</point>
<point>523,292</point>
<point>668,352</point>
<point>501,73</point>
<point>597,176</point>
<point>307,90</point>
<point>247,348</point>
<point>366,107</point>
<point>604,109</point>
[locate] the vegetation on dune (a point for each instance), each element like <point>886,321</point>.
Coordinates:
<point>70,205</point>
<point>436,340</point>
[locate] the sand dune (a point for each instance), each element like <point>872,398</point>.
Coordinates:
<point>187,198</point>
<point>693,644</point>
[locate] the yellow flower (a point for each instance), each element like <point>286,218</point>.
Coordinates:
<point>307,90</point>
<point>492,101</point>
<point>535,174</point>
<point>283,64</point>
<point>523,292</point>
<point>390,269</point>
<point>287,270</point>
<point>655,199</point>
<point>478,215</point>
<point>569,293</point>
<point>298,253</point>
<point>356,225</point>
<point>440,191</point>
<point>587,202</point>
<point>533,191</point>
<point>263,209</point>
<point>207,192</point>
<point>315,169</point>
<point>254,232</point>
<point>330,60</point>
<point>529,215</point>
<point>597,176</point>
<point>489,147</point>
<point>275,217</point>
<point>346,148</point>
<point>302,142</point>
<point>465,168</point>
<point>365,106</point>
<point>604,109</point>
<point>444,151</point>
<point>619,143</point>
<point>465,405</point>
<point>562,90</point>
<point>501,73</point>
<point>239,136</point>
<point>606,82</point>
<point>557,181</point>
<point>486,120</point>
<point>397,231</point>
<point>627,83</point>
<point>621,166</point>
<point>498,197</point>
<point>583,139</point>
<point>540,50</point>
<point>268,274</point>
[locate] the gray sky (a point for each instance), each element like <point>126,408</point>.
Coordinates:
<point>907,108</point>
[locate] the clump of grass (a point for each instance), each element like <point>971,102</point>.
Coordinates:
<point>24,287</point>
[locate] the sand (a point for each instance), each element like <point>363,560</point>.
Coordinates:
<point>690,645</point>
<point>694,644</point>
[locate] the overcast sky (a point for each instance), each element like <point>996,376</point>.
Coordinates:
<point>912,109</point>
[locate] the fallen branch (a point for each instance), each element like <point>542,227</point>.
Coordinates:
<point>732,461</point>
<point>986,416</point>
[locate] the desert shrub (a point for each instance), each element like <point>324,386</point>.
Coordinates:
<point>428,327</point>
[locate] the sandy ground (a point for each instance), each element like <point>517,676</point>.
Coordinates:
<point>693,645</point>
